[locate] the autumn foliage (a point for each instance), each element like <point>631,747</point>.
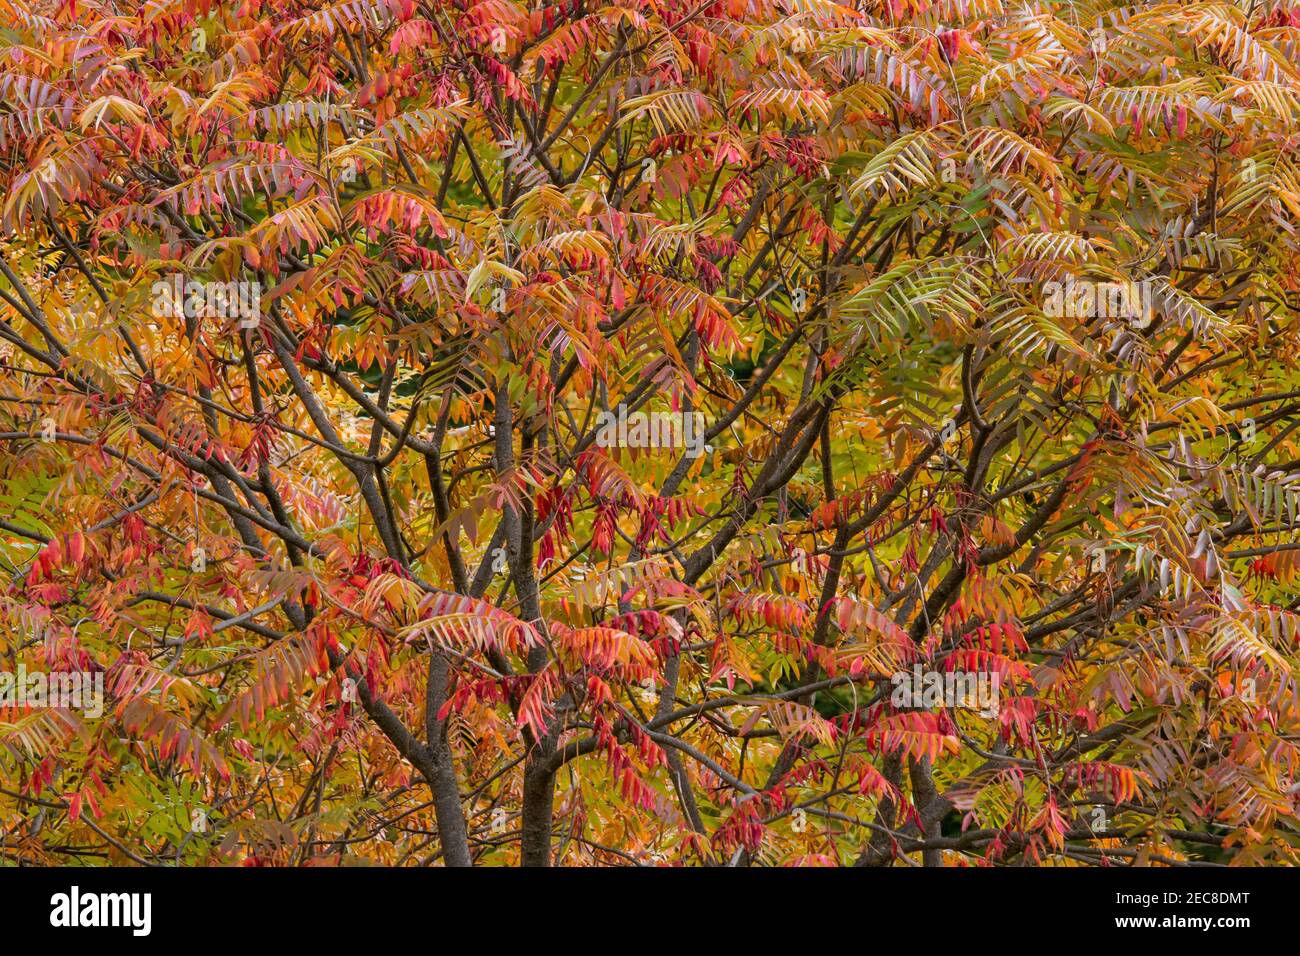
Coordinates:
<point>364,575</point>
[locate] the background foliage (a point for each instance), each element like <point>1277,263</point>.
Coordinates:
<point>828,228</point>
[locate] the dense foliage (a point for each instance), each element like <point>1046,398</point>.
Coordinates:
<point>366,581</point>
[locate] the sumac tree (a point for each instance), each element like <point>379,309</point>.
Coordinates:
<point>504,432</point>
